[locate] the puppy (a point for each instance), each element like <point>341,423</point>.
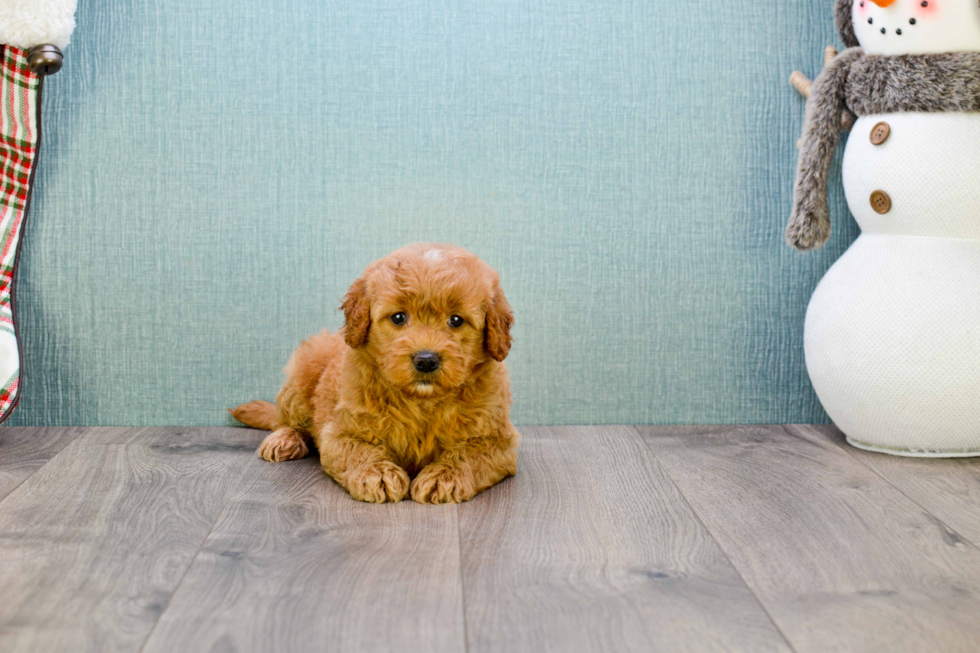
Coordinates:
<point>412,395</point>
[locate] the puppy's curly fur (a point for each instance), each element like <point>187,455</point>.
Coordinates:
<point>383,428</point>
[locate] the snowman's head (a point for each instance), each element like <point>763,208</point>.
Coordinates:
<point>891,27</point>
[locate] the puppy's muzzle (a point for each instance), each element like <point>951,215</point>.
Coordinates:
<point>426,361</point>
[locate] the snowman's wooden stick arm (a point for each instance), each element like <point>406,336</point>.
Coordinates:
<point>809,224</point>
<point>804,85</point>
<point>801,83</point>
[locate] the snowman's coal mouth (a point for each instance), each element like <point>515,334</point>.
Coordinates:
<point>898,31</point>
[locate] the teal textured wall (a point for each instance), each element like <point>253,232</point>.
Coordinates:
<point>214,175</point>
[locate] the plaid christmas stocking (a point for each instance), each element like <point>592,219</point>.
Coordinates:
<point>20,134</point>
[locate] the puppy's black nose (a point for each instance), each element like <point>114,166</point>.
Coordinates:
<point>426,361</point>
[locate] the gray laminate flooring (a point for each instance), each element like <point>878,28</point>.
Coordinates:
<point>615,538</point>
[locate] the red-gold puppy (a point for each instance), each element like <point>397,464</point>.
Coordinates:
<point>412,395</point>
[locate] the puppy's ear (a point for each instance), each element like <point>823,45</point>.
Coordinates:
<point>499,320</point>
<point>357,314</point>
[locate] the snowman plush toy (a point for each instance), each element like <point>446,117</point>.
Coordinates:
<point>892,336</point>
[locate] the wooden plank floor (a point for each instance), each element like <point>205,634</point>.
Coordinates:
<point>23,451</point>
<point>840,558</point>
<point>609,539</point>
<point>592,548</point>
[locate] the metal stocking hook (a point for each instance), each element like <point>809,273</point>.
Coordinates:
<point>45,59</point>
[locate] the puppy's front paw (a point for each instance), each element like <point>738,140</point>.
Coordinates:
<point>283,444</point>
<point>438,483</point>
<point>378,482</point>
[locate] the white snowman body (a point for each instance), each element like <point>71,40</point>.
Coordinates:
<point>892,336</point>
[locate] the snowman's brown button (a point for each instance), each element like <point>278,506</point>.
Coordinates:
<point>880,133</point>
<point>880,202</point>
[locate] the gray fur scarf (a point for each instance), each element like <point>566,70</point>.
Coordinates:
<point>866,85</point>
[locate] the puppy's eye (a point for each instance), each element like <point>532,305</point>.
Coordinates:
<point>456,321</point>
<point>399,318</point>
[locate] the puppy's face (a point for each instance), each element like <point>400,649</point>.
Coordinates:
<point>426,316</point>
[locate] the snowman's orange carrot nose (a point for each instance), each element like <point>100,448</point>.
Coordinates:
<point>883,3</point>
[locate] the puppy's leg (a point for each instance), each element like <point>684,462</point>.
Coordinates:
<point>285,443</point>
<point>462,472</point>
<point>292,415</point>
<point>365,470</point>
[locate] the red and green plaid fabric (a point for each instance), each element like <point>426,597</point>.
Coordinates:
<point>19,135</point>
